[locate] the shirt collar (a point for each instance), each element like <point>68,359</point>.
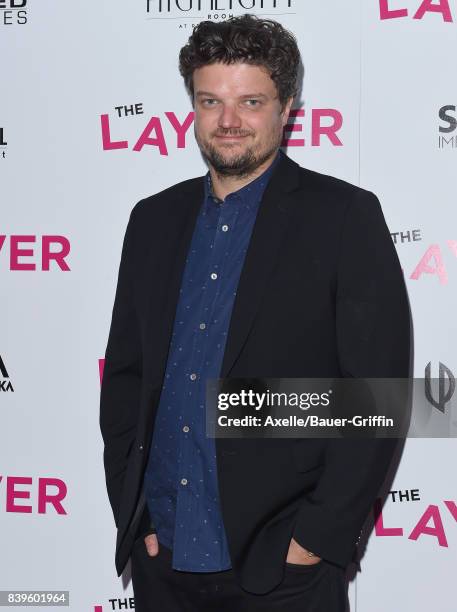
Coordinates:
<point>255,187</point>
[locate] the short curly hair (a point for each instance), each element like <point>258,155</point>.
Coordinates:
<point>248,39</point>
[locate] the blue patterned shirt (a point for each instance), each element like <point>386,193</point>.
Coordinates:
<point>181,479</point>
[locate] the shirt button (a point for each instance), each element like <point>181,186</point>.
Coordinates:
<point>213,275</point>
<point>202,325</point>
<point>183,481</point>
<point>140,447</point>
<point>185,428</point>
<point>224,228</point>
<point>193,376</point>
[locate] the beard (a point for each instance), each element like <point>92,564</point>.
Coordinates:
<point>240,165</point>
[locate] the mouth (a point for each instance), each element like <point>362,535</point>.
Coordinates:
<point>235,138</point>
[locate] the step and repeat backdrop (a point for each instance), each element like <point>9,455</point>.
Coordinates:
<point>93,117</point>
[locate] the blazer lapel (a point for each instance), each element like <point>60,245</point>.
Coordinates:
<point>163,298</point>
<point>264,247</point>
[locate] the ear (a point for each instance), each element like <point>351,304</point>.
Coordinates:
<point>286,110</point>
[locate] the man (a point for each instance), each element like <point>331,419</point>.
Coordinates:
<point>261,268</point>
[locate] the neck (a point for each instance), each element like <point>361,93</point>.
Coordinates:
<point>223,185</point>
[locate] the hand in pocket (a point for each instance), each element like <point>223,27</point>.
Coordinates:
<point>299,555</point>
<point>152,544</point>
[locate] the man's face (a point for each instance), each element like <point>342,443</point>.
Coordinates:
<point>238,119</point>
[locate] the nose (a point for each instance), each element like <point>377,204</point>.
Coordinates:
<point>229,117</point>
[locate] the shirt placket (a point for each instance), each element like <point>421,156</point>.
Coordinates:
<point>188,491</point>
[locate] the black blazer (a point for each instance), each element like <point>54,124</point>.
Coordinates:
<point>321,294</point>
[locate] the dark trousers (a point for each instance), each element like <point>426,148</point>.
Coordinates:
<point>159,588</point>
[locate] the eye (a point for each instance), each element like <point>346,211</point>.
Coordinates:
<point>253,102</point>
<point>208,101</point>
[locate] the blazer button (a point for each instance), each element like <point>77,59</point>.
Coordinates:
<point>140,447</point>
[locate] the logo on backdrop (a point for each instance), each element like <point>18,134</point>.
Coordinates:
<point>447,138</point>
<point>387,10</point>
<point>5,382</point>
<point>171,131</point>
<point>101,368</point>
<point>435,262</point>
<point>406,236</point>
<point>54,251</point>
<point>446,386</point>
<point>13,12</point>
<point>41,496</point>
<point>124,603</point>
<point>429,524</point>
<point>213,10</point>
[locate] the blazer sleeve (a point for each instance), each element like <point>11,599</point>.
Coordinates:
<point>121,383</point>
<point>373,337</point>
